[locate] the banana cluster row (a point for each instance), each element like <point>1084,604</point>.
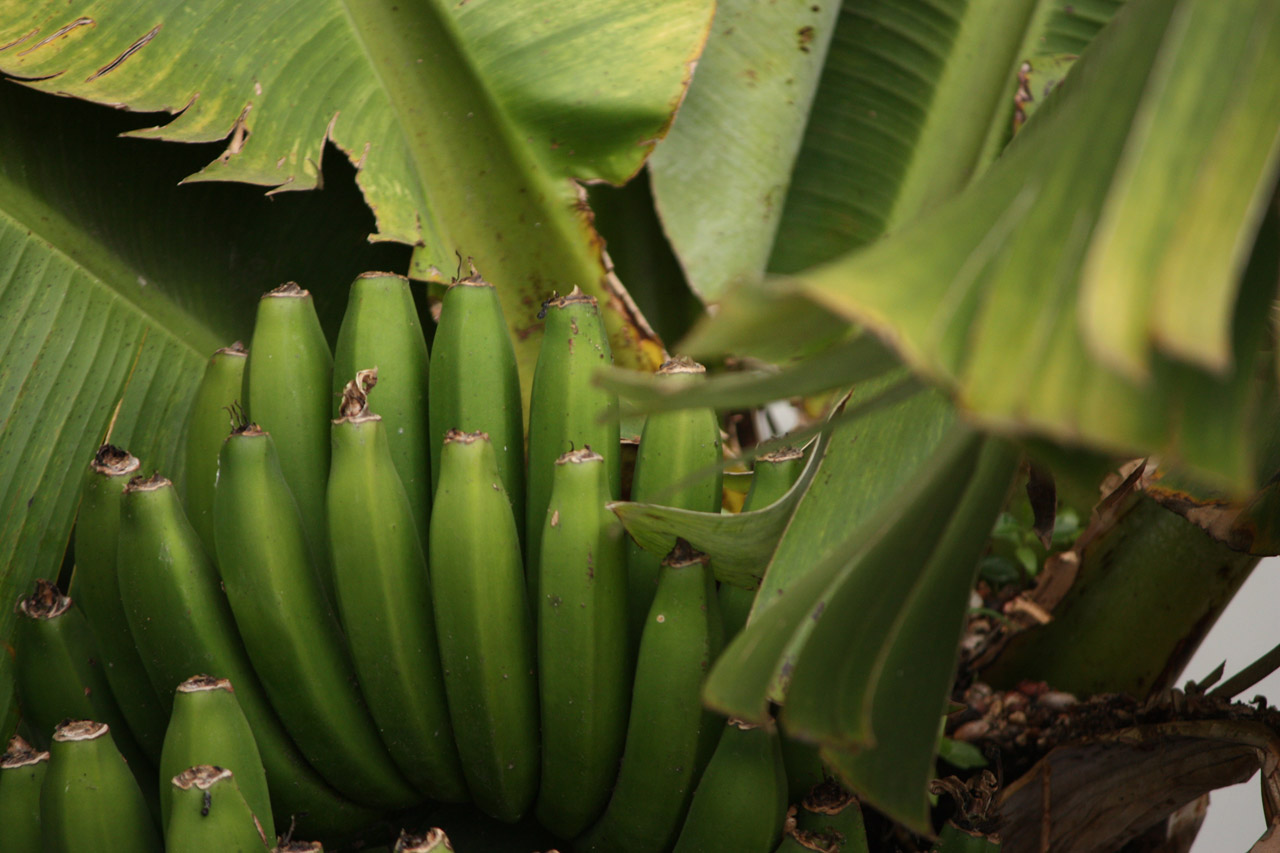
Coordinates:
<point>410,607</point>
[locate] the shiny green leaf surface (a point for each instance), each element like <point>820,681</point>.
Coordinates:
<point>734,146</point>
<point>901,677</point>
<point>468,122</point>
<point>775,166</point>
<point>951,288</point>
<point>104,327</point>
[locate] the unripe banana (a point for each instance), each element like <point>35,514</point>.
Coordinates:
<point>567,411</point>
<point>96,590</point>
<point>384,597</point>
<point>89,800</point>
<point>219,391</point>
<point>380,329</point>
<point>740,804</point>
<point>433,840</point>
<point>180,617</point>
<point>673,447</point>
<point>475,386</point>
<point>22,770</point>
<point>210,813</point>
<point>288,628</point>
<point>804,766</point>
<point>670,737</point>
<point>59,674</point>
<point>208,727</point>
<point>774,474</point>
<point>584,677</point>
<point>482,620</point>
<point>287,388</point>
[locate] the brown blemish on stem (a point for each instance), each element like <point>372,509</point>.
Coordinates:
<point>112,461</point>
<point>684,555</point>
<point>354,407</point>
<point>378,274</point>
<point>680,364</point>
<point>143,483</point>
<point>204,684</point>
<point>586,454</point>
<point>202,777</point>
<point>288,290</point>
<point>128,52</point>
<point>45,603</point>
<point>433,840</point>
<point>576,297</point>
<point>21,754</point>
<point>457,436</point>
<point>782,454</point>
<point>78,730</point>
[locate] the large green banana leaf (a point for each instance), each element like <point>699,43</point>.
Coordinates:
<point>469,123</point>
<point>812,128</point>
<point>1086,286</point>
<point>116,285</point>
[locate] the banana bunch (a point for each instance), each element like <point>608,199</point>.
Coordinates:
<point>368,596</point>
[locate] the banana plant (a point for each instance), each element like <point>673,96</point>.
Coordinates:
<point>1032,226</point>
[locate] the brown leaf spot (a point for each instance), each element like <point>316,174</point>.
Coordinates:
<point>805,36</point>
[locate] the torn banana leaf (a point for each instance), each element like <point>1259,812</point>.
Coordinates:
<point>739,544</point>
<point>1100,793</point>
<point>1048,299</point>
<point>880,596</point>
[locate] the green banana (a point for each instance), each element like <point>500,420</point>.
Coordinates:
<point>219,391</point>
<point>288,628</point>
<point>96,590</point>
<point>22,770</point>
<point>210,813</point>
<point>674,447</point>
<point>475,386</point>
<point>59,674</point>
<point>567,411</point>
<point>670,737</point>
<point>773,475</point>
<point>384,597</point>
<point>584,678</point>
<point>483,623</point>
<point>740,804</point>
<point>89,800</point>
<point>433,839</point>
<point>380,329</point>
<point>287,387</point>
<point>804,766</point>
<point>208,727</point>
<point>182,623</point>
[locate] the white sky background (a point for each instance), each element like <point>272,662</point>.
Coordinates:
<point>1248,628</point>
